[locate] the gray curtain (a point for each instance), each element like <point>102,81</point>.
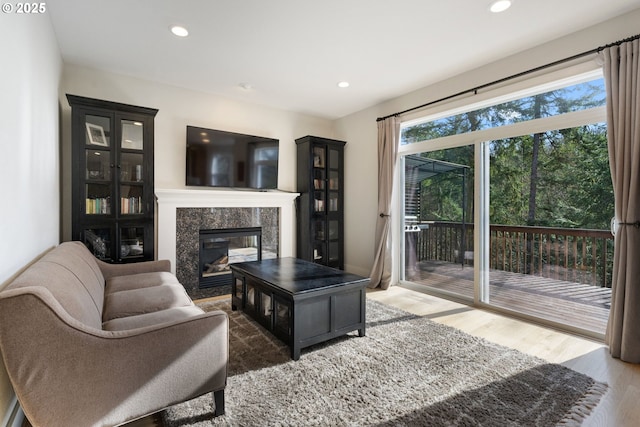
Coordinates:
<point>622,79</point>
<point>388,135</point>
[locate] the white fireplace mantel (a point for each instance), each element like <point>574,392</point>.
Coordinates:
<point>169,200</point>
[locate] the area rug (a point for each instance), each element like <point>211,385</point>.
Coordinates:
<point>406,371</point>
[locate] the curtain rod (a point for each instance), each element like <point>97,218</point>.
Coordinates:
<point>514,76</point>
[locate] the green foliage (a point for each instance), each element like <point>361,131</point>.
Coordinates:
<point>574,182</point>
<point>573,186</point>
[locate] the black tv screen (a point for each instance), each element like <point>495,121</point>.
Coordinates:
<point>218,158</point>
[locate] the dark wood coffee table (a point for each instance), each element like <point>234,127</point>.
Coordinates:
<point>300,302</point>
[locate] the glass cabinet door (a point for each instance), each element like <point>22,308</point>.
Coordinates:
<point>319,179</point>
<point>98,131</point>
<point>319,236</point>
<point>132,137</point>
<point>334,243</point>
<point>131,242</point>
<point>98,165</point>
<point>130,166</point>
<point>334,180</point>
<point>98,240</point>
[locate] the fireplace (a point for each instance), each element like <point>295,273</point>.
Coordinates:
<point>218,248</point>
<point>196,227</point>
<point>182,213</point>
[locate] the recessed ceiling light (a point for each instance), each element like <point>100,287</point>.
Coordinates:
<point>179,31</point>
<point>245,86</point>
<point>343,84</point>
<point>500,6</point>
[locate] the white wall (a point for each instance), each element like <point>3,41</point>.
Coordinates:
<point>178,108</point>
<point>360,130</point>
<point>29,172</point>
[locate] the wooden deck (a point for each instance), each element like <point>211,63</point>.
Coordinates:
<point>577,305</point>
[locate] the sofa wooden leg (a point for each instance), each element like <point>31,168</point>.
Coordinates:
<point>218,400</point>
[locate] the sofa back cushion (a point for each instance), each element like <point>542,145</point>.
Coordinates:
<point>73,277</point>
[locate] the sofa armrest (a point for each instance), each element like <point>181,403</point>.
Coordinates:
<point>65,373</point>
<point>112,270</point>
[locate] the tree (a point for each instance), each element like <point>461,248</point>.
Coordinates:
<point>556,178</point>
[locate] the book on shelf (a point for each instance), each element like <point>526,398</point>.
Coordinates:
<point>98,205</point>
<point>131,205</point>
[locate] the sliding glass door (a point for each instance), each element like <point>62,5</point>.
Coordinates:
<point>508,205</point>
<point>551,250</point>
<point>438,220</point>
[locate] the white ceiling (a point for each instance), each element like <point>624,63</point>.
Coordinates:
<point>294,52</point>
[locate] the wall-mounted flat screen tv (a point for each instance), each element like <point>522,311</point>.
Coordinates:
<point>217,158</point>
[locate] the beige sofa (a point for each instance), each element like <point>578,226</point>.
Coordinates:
<point>86,343</point>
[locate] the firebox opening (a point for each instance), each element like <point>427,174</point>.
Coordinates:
<point>221,247</point>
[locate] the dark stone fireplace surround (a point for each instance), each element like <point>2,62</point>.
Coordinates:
<point>189,222</point>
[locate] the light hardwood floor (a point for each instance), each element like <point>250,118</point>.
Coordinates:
<point>619,407</point>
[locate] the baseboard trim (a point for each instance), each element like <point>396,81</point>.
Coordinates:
<point>14,416</point>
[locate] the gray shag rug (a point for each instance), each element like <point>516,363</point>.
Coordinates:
<point>406,371</point>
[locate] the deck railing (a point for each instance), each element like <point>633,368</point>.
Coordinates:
<point>575,255</point>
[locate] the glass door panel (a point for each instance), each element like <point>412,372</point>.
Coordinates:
<point>318,230</point>
<point>438,220</point>
<point>318,201</point>
<point>319,252</point>
<point>131,167</point>
<point>319,157</point>
<point>97,165</point>
<point>334,253</point>
<point>132,134</point>
<point>98,240</point>
<point>282,318</point>
<point>238,289</point>
<point>334,159</point>
<point>98,131</point>
<point>334,180</point>
<point>131,199</point>
<point>334,230</point>
<point>334,204</point>
<point>549,236</point>
<point>250,302</point>
<point>131,242</point>
<point>318,179</point>
<point>97,199</point>
<point>265,308</point>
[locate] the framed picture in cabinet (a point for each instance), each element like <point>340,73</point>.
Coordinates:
<point>96,135</point>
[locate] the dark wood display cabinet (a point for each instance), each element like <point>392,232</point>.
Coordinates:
<point>320,182</point>
<point>112,207</point>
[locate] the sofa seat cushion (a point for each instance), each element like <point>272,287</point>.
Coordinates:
<point>151,319</point>
<point>145,300</point>
<point>139,281</point>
